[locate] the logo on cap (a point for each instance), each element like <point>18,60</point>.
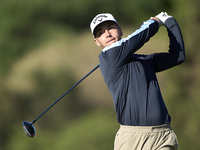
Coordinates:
<point>99,18</point>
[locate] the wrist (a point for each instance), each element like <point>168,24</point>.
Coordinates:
<point>158,20</point>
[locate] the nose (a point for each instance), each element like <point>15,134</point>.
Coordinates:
<point>107,33</point>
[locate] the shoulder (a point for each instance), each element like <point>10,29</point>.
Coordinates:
<point>133,35</point>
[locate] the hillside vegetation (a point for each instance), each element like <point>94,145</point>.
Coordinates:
<point>46,47</point>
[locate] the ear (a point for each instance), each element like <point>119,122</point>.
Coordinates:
<point>97,42</point>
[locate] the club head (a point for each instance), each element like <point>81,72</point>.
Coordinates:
<point>29,129</point>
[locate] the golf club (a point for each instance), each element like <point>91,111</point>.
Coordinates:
<point>28,127</point>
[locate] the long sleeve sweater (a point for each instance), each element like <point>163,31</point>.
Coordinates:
<point>131,78</point>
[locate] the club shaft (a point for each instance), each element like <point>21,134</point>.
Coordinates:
<point>65,94</point>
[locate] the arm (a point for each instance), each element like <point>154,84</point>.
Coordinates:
<point>121,51</point>
<point>176,52</point>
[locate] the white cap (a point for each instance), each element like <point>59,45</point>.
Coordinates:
<point>100,18</point>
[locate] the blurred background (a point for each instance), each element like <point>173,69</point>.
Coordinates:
<point>46,47</point>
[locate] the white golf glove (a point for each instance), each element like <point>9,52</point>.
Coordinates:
<point>163,16</point>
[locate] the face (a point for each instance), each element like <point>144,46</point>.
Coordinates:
<point>107,34</point>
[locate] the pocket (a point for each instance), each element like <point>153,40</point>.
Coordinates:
<point>116,141</point>
<point>175,139</point>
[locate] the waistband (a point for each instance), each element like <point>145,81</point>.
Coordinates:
<point>165,127</point>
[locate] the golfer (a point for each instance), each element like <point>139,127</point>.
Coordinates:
<point>131,79</point>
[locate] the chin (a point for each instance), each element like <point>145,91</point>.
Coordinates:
<point>111,43</point>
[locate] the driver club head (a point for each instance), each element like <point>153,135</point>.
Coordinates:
<point>29,129</point>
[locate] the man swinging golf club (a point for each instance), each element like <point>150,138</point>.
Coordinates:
<point>131,79</point>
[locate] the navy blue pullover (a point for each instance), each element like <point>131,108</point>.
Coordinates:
<point>131,78</point>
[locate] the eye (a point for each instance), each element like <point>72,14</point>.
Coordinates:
<point>99,33</point>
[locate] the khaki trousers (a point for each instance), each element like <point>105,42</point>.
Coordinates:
<point>146,138</point>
